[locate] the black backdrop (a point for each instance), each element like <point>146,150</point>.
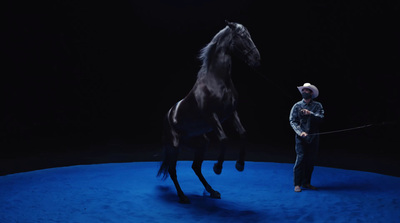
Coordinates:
<point>90,72</point>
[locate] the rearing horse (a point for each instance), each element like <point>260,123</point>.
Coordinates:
<point>211,101</point>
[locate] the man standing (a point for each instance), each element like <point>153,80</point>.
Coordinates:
<point>305,118</point>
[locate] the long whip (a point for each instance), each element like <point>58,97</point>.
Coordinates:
<point>341,130</point>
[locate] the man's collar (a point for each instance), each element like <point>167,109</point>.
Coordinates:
<point>304,101</point>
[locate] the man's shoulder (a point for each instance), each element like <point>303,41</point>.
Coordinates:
<point>299,103</point>
<point>317,103</point>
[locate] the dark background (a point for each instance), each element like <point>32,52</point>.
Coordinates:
<point>81,74</point>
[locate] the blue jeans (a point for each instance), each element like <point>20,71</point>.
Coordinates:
<point>306,154</point>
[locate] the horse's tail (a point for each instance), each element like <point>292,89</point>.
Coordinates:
<point>164,167</point>
<point>170,152</point>
<point>170,159</point>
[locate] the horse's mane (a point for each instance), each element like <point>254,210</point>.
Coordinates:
<point>222,38</point>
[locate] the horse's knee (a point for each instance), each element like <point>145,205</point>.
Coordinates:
<point>243,135</point>
<point>196,167</point>
<point>224,140</point>
<point>172,172</point>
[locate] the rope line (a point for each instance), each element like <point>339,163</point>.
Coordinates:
<point>341,130</point>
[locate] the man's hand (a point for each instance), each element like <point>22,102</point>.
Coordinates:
<point>305,111</point>
<point>303,134</point>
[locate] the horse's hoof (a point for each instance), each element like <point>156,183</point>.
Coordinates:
<point>184,200</point>
<point>215,194</point>
<point>217,169</point>
<point>239,166</point>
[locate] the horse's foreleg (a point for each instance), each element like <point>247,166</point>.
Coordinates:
<point>221,158</point>
<point>242,150</point>
<point>196,166</point>
<point>242,153</point>
<point>222,141</point>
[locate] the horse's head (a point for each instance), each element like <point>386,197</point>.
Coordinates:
<point>242,44</point>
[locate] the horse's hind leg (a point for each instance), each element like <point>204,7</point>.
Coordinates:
<point>196,166</point>
<point>172,173</point>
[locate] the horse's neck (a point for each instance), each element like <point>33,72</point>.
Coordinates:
<point>220,66</point>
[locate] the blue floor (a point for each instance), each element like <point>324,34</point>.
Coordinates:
<point>131,192</point>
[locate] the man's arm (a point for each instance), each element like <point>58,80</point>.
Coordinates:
<point>294,120</point>
<point>318,114</point>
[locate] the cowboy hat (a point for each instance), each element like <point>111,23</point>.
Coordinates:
<point>310,87</point>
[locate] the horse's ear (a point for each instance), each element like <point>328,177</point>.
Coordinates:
<point>230,24</point>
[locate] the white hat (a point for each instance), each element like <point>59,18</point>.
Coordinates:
<point>311,87</point>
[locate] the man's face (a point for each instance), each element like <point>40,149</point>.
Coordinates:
<point>306,93</point>
<point>306,90</point>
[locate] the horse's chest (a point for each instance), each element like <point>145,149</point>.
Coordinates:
<point>224,100</point>
<point>215,95</point>
<point>229,100</point>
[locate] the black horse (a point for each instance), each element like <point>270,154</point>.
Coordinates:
<point>211,101</point>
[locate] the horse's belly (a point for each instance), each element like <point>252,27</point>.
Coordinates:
<point>193,126</point>
<point>191,120</point>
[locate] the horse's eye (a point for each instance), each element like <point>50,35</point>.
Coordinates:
<point>243,34</point>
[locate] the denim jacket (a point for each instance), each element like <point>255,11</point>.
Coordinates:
<point>306,123</point>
